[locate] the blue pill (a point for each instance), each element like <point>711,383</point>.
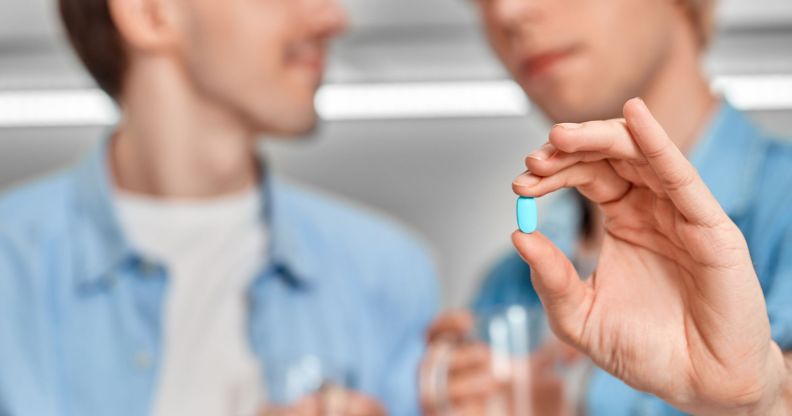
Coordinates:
<point>527,216</point>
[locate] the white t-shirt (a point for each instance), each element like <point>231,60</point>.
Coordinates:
<point>212,250</point>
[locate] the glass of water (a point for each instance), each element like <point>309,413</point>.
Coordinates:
<point>521,362</point>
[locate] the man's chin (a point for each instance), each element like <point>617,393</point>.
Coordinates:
<point>566,109</point>
<point>292,128</point>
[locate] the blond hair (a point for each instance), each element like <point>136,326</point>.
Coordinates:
<point>702,15</point>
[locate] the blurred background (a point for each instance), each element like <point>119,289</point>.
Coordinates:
<point>420,121</point>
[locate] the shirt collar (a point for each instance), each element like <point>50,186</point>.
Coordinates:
<point>101,243</point>
<point>729,157</point>
<point>103,247</point>
<point>290,248</point>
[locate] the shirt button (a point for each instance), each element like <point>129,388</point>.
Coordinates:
<point>143,360</point>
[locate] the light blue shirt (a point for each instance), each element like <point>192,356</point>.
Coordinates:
<point>751,176</point>
<point>81,313</point>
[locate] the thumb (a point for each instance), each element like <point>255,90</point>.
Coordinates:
<point>565,298</point>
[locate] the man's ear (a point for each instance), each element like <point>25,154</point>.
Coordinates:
<point>145,24</point>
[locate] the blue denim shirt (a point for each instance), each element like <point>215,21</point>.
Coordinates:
<point>751,176</point>
<point>81,312</point>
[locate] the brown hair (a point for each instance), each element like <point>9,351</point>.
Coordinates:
<point>95,38</point>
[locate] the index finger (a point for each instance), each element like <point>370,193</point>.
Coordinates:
<point>678,177</point>
<point>609,137</point>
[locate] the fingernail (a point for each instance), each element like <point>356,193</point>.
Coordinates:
<point>527,179</point>
<point>640,100</point>
<point>568,126</point>
<point>543,153</point>
<point>536,156</point>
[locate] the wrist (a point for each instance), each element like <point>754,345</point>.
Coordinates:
<point>775,400</point>
<point>769,394</point>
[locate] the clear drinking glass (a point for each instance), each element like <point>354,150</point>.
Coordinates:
<point>521,362</point>
<point>512,332</point>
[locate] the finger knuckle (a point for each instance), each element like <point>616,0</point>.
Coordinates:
<point>561,140</point>
<point>657,152</point>
<point>673,181</point>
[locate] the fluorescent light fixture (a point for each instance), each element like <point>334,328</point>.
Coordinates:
<point>417,100</point>
<point>44,108</point>
<point>756,92</point>
<point>421,100</point>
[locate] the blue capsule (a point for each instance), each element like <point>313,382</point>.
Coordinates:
<point>527,216</point>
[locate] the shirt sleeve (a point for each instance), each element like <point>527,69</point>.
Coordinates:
<point>412,310</point>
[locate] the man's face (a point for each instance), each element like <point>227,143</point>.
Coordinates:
<point>581,59</point>
<point>264,59</point>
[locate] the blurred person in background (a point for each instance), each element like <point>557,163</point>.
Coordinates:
<point>581,60</point>
<point>161,274</point>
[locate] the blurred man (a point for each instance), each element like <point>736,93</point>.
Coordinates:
<point>160,274</point>
<point>581,60</point>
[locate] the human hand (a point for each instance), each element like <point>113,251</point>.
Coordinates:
<point>458,378</point>
<point>674,306</point>
<point>455,374</point>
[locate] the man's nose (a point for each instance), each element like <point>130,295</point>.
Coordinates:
<point>516,14</point>
<point>328,18</point>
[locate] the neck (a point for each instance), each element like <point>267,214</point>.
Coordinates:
<point>679,94</point>
<point>173,142</point>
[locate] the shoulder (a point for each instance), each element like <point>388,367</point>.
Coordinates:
<point>34,206</point>
<point>31,218</point>
<point>33,235</point>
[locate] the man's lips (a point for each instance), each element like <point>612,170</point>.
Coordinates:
<point>539,64</point>
<point>316,63</point>
<point>307,56</point>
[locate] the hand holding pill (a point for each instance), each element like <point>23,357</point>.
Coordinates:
<point>674,306</point>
